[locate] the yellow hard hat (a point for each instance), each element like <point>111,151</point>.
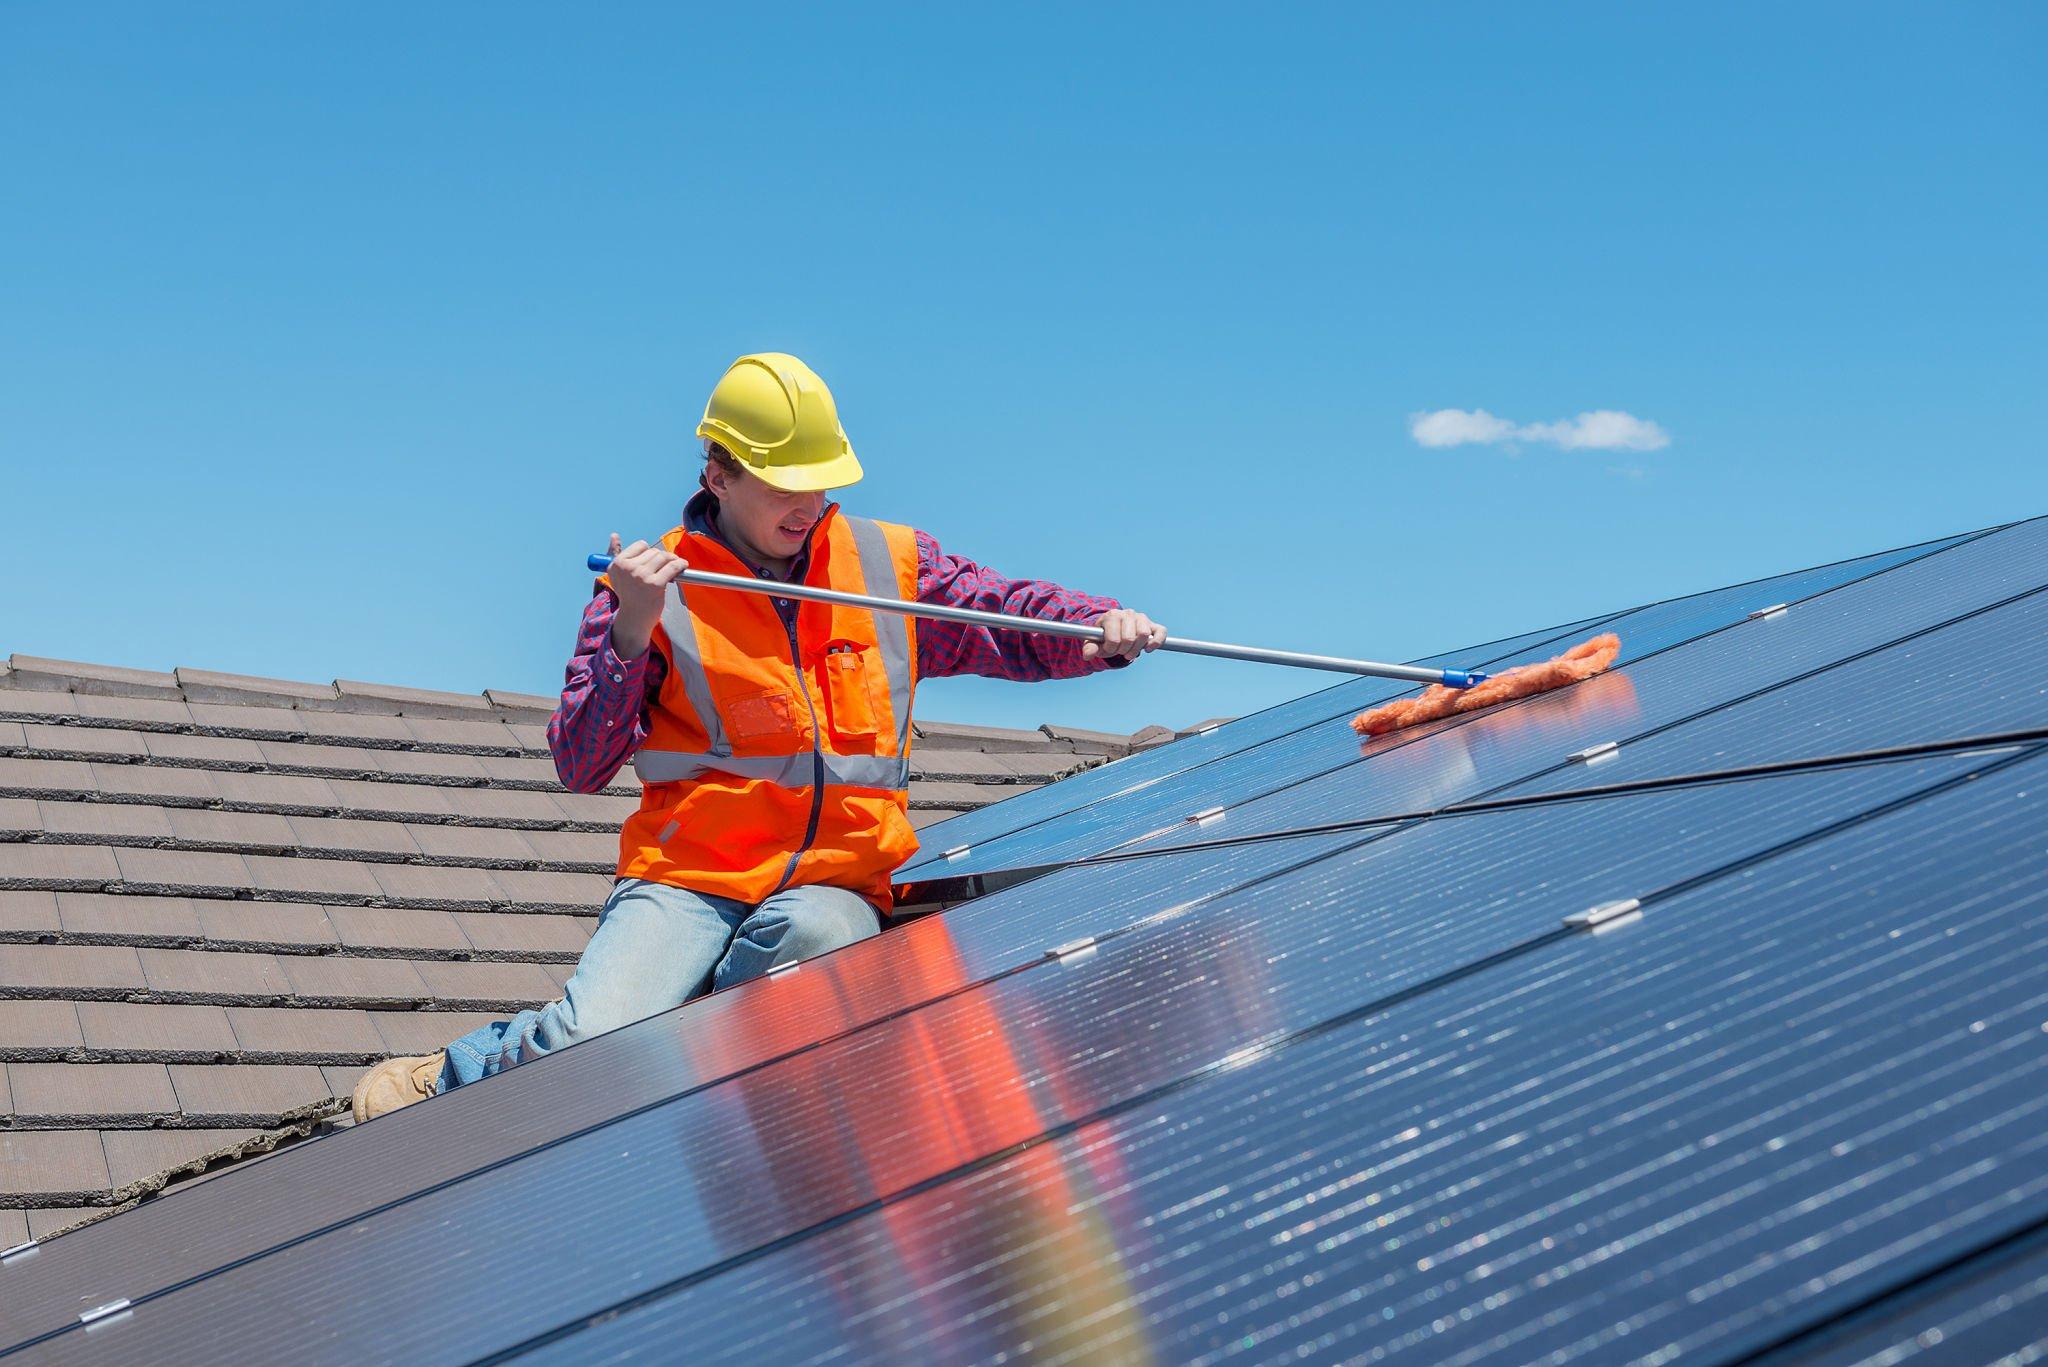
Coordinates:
<point>774,414</point>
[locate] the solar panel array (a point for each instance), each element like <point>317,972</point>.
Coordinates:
<point>1696,1011</point>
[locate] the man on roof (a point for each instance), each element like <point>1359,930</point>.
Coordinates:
<point>771,735</point>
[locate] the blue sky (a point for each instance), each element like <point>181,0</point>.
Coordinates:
<point>331,338</point>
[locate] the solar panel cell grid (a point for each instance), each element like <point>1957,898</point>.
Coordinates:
<point>1763,1102</point>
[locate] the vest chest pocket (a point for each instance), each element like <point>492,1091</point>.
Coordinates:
<point>848,670</point>
<point>761,716</point>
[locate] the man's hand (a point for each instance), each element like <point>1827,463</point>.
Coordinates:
<point>640,576</point>
<point>1125,636</point>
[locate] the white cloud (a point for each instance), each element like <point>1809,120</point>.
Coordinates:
<point>1456,427</point>
<point>1604,429</point>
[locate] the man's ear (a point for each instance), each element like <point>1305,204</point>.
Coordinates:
<point>715,478</point>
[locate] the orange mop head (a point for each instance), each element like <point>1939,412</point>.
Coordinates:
<point>1582,661</point>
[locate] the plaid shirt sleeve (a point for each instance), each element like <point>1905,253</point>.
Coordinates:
<point>1023,657</point>
<point>602,718</point>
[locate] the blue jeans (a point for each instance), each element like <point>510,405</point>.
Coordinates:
<point>655,948</point>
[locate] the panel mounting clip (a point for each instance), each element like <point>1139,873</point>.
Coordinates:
<point>782,968</point>
<point>20,1250</point>
<point>1774,610</point>
<point>956,852</point>
<point>1206,815</point>
<point>1073,949</point>
<point>1594,754</point>
<point>1604,915</point>
<point>102,1313</point>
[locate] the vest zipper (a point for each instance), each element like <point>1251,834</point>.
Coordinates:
<point>817,737</point>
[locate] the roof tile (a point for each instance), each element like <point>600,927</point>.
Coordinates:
<point>38,970</point>
<point>28,913</point>
<point>142,713</point>
<point>265,923</point>
<point>530,737</point>
<point>39,1025</point>
<point>326,880</point>
<point>337,761</point>
<point>207,685</point>
<point>256,831</point>
<point>258,1091</point>
<point>45,1221</point>
<point>133,1155</point>
<point>509,702</point>
<point>156,783</point>
<point>525,770</point>
<point>35,704</point>
<point>295,794</point>
<point>393,801</point>
<point>581,848</point>
<point>481,737</point>
<point>155,1028</point>
<point>352,836</point>
<point>52,1162</point>
<point>436,885</point>
<point>543,891</point>
<point>123,821</point>
<point>328,978</point>
<point>113,916</point>
<point>82,742</point>
<point>398,928</point>
<point>213,752</point>
<point>33,671</point>
<point>59,866</point>
<point>214,973</point>
<point>429,765</point>
<point>595,809</point>
<point>73,1093</point>
<point>181,871</point>
<point>424,1032</point>
<point>38,777</point>
<point>413,702</point>
<point>355,726</point>
<point>234,720</point>
<point>496,932</point>
<point>485,985</point>
<point>303,1030</point>
<point>474,844</point>
<point>20,819</point>
<point>340,1079</point>
<point>13,1223</point>
<point>507,806</point>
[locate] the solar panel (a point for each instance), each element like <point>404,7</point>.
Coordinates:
<point>1991,1307</point>
<point>1763,1101</point>
<point>1645,629</point>
<point>1716,1066</point>
<point>1497,747</point>
<point>875,1113</point>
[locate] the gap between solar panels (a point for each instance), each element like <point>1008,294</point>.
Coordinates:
<point>938,889</point>
<point>1598,920</point>
<point>1237,1057</point>
<point>1554,635</point>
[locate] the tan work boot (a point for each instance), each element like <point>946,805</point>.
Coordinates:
<point>396,1082</point>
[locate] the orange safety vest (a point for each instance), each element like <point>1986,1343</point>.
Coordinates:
<point>779,757</point>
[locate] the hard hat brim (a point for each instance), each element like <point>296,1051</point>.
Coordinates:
<point>836,473</point>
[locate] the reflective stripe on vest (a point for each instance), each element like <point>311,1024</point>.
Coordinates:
<point>892,630</point>
<point>788,771</point>
<point>892,633</point>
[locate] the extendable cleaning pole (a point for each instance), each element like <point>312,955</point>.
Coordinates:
<point>1450,678</point>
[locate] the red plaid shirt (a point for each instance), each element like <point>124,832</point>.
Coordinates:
<point>602,718</point>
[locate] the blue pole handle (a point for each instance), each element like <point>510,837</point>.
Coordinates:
<point>1453,678</point>
<point>600,563</point>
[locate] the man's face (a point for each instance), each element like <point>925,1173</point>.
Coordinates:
<point>763,517</point>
